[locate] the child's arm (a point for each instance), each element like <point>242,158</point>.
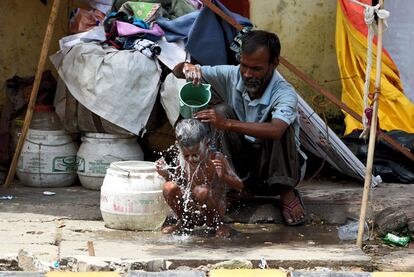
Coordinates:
<point>226,173</point>
<point>162,169</point>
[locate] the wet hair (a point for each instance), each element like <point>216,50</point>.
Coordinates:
<point>254,40</point>
<point>190,132</point>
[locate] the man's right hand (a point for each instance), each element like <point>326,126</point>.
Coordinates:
<point>192,73</point>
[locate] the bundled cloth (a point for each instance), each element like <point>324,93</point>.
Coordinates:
<point>148,12</point>
<point>124,29</point>
<point>198,4</point>
<point>82,20</point>
<point>102,5</point>
<point>133,21</point>
<point>169,8</point>
<point>119,86</point>
<point>204,28</point>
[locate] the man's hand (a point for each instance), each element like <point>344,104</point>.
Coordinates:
<point>212,117</point>
<point>192,73</point>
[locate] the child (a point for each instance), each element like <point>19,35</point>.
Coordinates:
<point>202,176</point>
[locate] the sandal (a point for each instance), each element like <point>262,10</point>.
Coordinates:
<point>289,207</point>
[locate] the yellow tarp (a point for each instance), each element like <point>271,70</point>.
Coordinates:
<point>395,109</point>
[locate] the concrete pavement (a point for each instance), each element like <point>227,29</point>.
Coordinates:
<point>54,230</point>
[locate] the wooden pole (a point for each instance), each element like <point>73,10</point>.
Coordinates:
<point>35,89</point>
<point>372,134</point>
<point>308,80</point>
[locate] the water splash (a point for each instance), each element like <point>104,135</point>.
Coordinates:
<point>183,175</point>
<point>183,238</point>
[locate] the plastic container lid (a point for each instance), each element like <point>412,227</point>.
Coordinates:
<point>44,118</point>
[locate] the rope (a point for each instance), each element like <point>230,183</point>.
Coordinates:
<point>367,115</point>
<point>369,17</point>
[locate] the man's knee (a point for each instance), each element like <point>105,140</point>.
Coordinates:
<point>201,194</point>
<point>170,189</point>
<point>224,110</point>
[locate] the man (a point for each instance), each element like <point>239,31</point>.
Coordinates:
<point>258,124</point>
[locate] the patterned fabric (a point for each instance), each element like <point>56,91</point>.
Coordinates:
<point>147,12</point>
<point>170,9</point>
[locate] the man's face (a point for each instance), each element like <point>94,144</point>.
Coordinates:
<point>256,71</point>
<point>195,154</point>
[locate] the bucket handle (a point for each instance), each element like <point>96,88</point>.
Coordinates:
<point>44,144</point>
<point>110,155</point>
<point>120,168</point>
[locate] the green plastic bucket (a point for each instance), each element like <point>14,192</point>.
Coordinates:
<point>194,99</point>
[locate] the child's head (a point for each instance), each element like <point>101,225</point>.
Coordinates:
<point>192,139</point>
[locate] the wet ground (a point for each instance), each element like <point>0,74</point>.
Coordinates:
<point>247,234</point>
<point>59,226</point>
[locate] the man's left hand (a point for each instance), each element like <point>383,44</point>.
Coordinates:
<point>210,116</point>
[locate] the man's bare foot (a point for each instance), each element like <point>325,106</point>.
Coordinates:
<point>223,231</point>
<point>293,210</point>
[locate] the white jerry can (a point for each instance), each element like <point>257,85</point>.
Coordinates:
<point>98,150</point>
<point>131,197</point>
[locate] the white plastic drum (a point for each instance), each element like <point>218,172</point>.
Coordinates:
<point>131,196</point>
<point>48,159</point>
<point>97,151</point>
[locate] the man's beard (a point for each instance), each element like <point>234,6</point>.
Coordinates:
<point>253,86</point>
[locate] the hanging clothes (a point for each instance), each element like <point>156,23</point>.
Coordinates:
<point>395,109</point>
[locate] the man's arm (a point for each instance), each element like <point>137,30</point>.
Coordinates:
<point>178,70</point>
<point>188,71</point>
<point>266,130</point>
